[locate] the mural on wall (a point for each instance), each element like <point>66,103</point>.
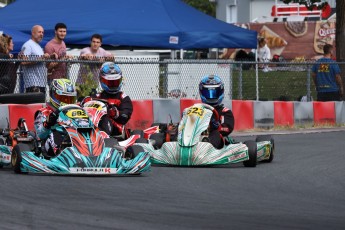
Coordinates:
<point>293,40</point>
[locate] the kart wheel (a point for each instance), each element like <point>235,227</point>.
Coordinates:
<point>16,156</point>
<point>158,139</point>
<point>133,151</point>
<point>2,142</point>
<point>110,142</point>
<point>137,132</point>
<point>267,138</point>
<point>252,152</point>
<point>142,140</point>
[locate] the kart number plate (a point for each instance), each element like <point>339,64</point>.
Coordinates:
<point>76,113</point>
<point>196,111</point>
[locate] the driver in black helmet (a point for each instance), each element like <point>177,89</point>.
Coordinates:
<point>211,89</point>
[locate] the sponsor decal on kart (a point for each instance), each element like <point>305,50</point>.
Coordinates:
<point>5,158</point>
<point>81,170</point>
<point>238,156</point>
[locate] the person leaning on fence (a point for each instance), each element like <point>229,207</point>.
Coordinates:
<point>120,111</point>
<point>93,53</point>
<point>211,89</point>
<point>56,48</point>
<point>326,76</point>
<point>8,69</point>
<point>34,70</point>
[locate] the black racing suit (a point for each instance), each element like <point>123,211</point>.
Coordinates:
<point>113,125</point>
<point>227,124</point>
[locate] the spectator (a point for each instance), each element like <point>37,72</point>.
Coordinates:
<point>264,55</point>
<point>8,70</point>
<point>326,76</point>
<point>34,71</point>
<point>93,53</point>
<point>56,48</point>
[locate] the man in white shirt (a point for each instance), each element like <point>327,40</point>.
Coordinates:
<point>34,72</point>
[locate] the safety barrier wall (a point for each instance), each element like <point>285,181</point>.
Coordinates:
<point>248,114</point>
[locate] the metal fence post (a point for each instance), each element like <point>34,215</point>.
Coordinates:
<point>308,84</point>
<point>230,81</point>
<point>163,80</point>
<point>240,96</point>
<point>257,80</point>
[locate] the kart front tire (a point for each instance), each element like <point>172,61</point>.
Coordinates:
<point>267,138</point>
<point>252,152</point>
<point>159,139</point>
<point>16,156</point>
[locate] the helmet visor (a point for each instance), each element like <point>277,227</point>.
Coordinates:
<point>112,83</point>
<point>211,92</point>
<point>67,99</point>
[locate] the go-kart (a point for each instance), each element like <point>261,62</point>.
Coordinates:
<point>11,137</point>
<point>83,150</point>
<point>97,108</point>
<point>192,147</point>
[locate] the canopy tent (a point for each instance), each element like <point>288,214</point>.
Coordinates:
<point>169,24</point>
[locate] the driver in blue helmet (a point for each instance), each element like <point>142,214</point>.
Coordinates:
<point>120,106</point>
<point>211,89</point>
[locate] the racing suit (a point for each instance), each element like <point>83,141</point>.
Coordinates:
<point>44,119</point>
<point>221,128</point>
<point>120,109</point>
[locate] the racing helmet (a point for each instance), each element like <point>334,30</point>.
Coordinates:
<point>110,77</point>
<point>62,92</point>
<point>211,89</point>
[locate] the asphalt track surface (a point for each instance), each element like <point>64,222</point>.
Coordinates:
<point>303,188</point>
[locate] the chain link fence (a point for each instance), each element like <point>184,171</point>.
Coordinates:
<point>152,78</point>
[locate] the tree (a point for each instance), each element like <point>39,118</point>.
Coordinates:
<point>340,24</point>
<point>203,5</point>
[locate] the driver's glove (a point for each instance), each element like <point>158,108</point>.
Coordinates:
<point>214,124</point>
<point>51,119</point>
<point>113,112</point>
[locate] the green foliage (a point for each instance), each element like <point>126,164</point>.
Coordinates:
<point>203,5</point>
<point>310,4</point>
<point>84,89</point>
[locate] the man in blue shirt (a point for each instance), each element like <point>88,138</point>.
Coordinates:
<point>326,76</point>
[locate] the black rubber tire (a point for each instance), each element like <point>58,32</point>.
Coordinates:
<point>2,142</point>
<point>111,142</point>
<point>159,139</point>
<point>252,152</point>
<point>141,140</point>
<point>16,156</point>
<point>22,98</point>
<point>133,151</point>
<point>267,138</point>
<point>137,132</point>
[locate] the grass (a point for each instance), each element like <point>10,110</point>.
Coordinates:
<point>273,85</point>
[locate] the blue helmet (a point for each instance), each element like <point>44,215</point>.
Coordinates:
<point>211,89</point>
<point>110,77</point>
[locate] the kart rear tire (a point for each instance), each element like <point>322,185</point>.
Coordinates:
<point>133,151</point>
<point>267,138</point>
<point>142,140</point>
<point>159,139</point>
<point>16,156</point>
<point>137,132</point>
<point>110,142</point>
<point>252,152</point>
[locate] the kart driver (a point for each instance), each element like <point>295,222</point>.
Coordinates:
<point>120,107</point>
<point>211,89</point>
<point>61,92</point>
